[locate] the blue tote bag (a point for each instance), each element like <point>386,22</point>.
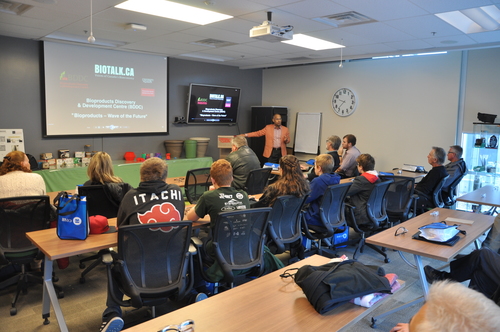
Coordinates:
<point>72,216</point>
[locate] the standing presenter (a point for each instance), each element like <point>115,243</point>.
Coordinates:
<point>277,137</point>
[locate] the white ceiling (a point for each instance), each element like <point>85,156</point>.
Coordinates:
<point>401,27</point>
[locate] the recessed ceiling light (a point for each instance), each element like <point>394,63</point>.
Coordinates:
<point>472,20</point>
<point>173,10</point>
<point>312,43</point>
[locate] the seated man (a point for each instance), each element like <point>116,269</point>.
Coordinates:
<point>425,188</point>
<point>481,267</point>
<point>455,168</point>
<point>154,200</point>
<point>362,186</point>
<point>332,146</point>
<point>347,166</point>
<point>323,166</point>
<point>242,160</point>
<point>451,307</point>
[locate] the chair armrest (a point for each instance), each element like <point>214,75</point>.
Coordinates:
<point>192,249</point>
<point>196,242</point>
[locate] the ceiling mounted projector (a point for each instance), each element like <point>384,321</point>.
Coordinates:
<point>135,27</point>
<point>271,32</point>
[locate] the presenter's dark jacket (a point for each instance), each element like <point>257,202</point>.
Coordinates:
<point>242,161</point>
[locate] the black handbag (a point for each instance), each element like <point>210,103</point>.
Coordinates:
<point>333,284</point>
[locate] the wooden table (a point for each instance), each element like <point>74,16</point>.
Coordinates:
<point>487,195</point>
<point>481,223</point>
<point>268,303</point>
<point>53,248</point>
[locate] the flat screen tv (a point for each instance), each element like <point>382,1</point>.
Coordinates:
<point>212,104</point>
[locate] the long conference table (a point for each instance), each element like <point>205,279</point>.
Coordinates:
<point>268,303</point>
<point>68,178</point>
<point>474,224</point>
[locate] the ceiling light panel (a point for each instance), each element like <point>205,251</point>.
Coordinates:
<point>473,20</point>
<point>174,11</point>
<point>312,43</point>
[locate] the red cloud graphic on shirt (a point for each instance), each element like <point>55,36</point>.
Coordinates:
<point>160,213</point>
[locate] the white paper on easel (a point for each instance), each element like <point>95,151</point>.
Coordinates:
<point>11,140</point>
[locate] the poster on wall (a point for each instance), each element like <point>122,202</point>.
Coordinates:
<point>11,140</point>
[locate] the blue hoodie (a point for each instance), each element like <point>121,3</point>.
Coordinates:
<point>318,187</point>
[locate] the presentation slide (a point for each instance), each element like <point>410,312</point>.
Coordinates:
<point>93,91</point>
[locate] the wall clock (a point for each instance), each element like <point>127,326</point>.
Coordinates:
<point>344,102</point>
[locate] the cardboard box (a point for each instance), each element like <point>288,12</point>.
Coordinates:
<point>60,163</point>
<point>45,165</point>
<point>79,154</point>
<point>224,141</point>
<point>52,163</point>
<point>69,162</point>
<point>46,155</point>
<point>85,161</point>
<point>63,153</point>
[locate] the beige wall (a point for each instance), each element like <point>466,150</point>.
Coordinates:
<point>482,86</point>
<point>406,105</point>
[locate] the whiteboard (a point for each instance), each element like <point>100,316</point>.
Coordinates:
<point>307,132</point>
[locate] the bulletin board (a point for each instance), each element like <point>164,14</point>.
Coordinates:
<point>307,132</point>
<point>11,140</point>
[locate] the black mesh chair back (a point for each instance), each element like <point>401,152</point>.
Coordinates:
<point>332,216</point>
<point>285,220</point>
<point>399,197</point>
<point>257,180</point>
<point>376,214</point>
<point>449,196</point>
<point>19,215</point>
<point>436,194</point>
<point>153,262</point>
<point>238,240</point>
<point>196,183</point>
<point>99,201</point>
<point>33,162</point>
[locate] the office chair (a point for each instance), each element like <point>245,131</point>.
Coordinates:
<point>449,195</point>
<point>284,222</point>
<point>376,215</point>
<point>153,264</point>
<point>197,182</point>
<point>332,217</point>
<point>100,201</point>
<point>257,180</point>
<point>400,197</point>
<point>437,200</point>
<point>238,244</point>
<point>19,215</point>
<point>33,162</point>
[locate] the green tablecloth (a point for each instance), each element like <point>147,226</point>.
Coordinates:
<point>68,178</point>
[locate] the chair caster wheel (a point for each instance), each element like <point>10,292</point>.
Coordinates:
<point>46,321</point>
<point>82,266</point>
<point>387,260</point>
<point>60,295</point>
<point>82,280</point>
<point>55,279</point>
<point>13,311</point>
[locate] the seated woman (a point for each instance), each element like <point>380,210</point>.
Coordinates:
<point>16,178</point>
<point>291,182</point>
<point>362,187</point>
<point>100,172</point>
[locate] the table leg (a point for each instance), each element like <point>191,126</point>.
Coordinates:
<point>50,296</point>
<point>425,288</point>
<point>421,275</point>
